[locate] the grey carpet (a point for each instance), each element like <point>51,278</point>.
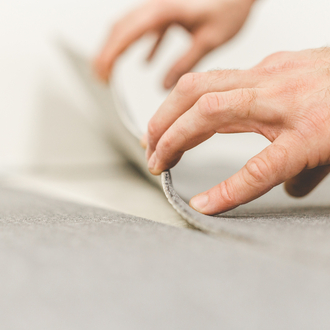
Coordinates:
<point>68,266</point>
<point>295,229</point>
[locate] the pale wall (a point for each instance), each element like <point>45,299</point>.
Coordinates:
<point>40,102</point>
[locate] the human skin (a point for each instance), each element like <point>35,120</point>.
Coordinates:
<point>285,98</point>
<point>210,22</point>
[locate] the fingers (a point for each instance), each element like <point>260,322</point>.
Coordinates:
<point>204,41</point>
<point>240,110</point>
<point>306,181</point>
<point>125,32</point>
<point>187,92</point>
<point>198,50</point>
<point>261,173</point>
<point>160,37</point>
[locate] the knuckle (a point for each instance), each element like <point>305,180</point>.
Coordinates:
<point>276,56</point>
<point>209,104</point>
<point>270,68</point>
<point>188,83</point>
<point>166,150</point>
<point>181,131</point>
<point>165,143</point>
<point>226,194</point>
<point>276,63</point>
<point>273,68</point>
<point>269,168</point>
<point>257,171</point>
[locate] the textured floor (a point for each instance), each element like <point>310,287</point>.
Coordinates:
<point>69,266</point>
<point>66,265</point>
<point>297,229</point>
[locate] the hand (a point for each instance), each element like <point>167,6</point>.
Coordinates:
<point>210,22</point>
<point>286,98</point>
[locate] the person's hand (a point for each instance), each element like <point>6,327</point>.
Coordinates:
<point>210,22</point>
<point>286,98</point>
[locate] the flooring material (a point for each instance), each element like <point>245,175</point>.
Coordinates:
<point>71,266</point>
<point>293,228</point>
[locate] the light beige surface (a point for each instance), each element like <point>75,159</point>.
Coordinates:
<point>117,187</point>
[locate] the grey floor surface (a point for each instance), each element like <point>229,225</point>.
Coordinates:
<point>69,266</point>
<point>294,229</point>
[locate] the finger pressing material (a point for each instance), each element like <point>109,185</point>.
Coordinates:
<point>306,181</point>
<point>271,167</point>
<point>187,92</point>
<point>227,112</point>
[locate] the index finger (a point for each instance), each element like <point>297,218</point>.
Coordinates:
<point>188,90</point>
<point>236,111</point>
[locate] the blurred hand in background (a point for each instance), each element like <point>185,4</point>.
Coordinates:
<point>210,22</point>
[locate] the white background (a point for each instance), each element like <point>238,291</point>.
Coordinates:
<point>40,103</point>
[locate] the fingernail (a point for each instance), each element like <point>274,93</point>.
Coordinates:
<point>152,161</point>
<point>199,202</point>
